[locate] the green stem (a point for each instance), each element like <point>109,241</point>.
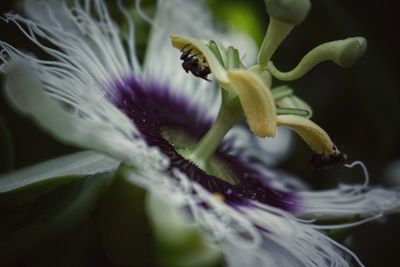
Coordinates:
<point>229,115</point>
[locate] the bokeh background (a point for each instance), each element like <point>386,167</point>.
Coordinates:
<point>359,107</point>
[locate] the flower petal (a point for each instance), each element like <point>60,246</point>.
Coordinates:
<point>249,235</point>
<point>162,64</point>
<point>269,151</point>
<point>256,100</point>
<point>24,89</point>
<point>78,164</point>
<point>53,12</point>
<point>288,241</point>
<point>349,201</point>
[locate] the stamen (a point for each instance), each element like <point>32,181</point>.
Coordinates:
<point>256,100</point>
<point>281,92</point>
<point>212,61</point>
<point>219,197</point>
<point>194,64</point>
<point>324,162</point>
<point>312,134</point>
<point>293,111</point>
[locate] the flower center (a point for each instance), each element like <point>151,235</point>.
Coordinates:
<point>184,144</point>
<point>167,122</point>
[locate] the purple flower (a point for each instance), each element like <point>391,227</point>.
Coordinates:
<point>95,94</point>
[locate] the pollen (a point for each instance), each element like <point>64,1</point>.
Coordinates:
<point>219,197</point>
<point>195,63</point>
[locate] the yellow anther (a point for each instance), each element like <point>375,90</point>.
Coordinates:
<point>219,197</point>
<point>256,100</point>
<point>312,134</point>
<point>182,42</point>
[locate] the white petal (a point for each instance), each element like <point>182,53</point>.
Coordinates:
<point>269,151</point>
<point>291,242</point>
<point>78,164</point>
<point>53,12</point>
<point>25,91</point>
<point>57,14</point>
<point>162,63</point>
<point>71,95</point>
<point>245,44</point>
<point>287,240</point>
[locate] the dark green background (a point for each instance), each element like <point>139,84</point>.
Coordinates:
<point>359,106</point>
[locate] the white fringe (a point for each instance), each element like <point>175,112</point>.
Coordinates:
<point>89,58</point>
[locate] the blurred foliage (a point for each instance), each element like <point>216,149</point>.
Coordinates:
<point>123,224</point>
<point>96,220</point>
<point>31,233</point>
<point>6,148</point>
<point>245,16</point>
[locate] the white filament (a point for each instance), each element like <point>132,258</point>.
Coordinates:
<point>364,169</point>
